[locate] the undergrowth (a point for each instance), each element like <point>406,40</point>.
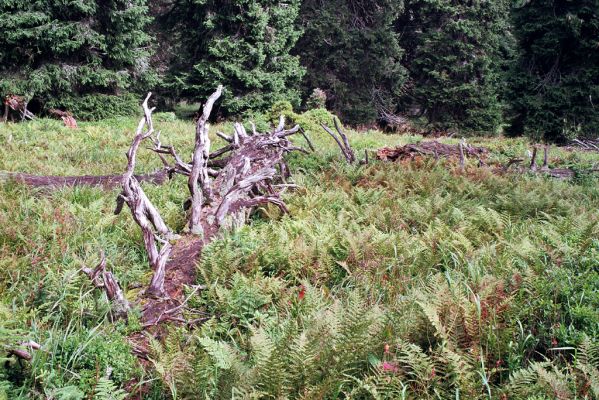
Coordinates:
<point>386,281</point>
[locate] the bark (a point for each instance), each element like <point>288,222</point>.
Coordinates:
<point>199,181</point>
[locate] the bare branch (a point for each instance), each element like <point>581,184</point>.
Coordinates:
<point>342,141</point>
<point>348,149</point>
<point>305,135</point>
<point>281,125</point>
<point>533,159</point>
<point>144,213</point>
<point>240,129</point>
<point>224,137</point>
<point>199,169</point>
<point>105,280</point>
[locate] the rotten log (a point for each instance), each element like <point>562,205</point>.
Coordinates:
<point>430,149</point>
<point>105,181</point>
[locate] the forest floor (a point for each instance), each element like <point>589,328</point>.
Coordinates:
<point>407,279</point>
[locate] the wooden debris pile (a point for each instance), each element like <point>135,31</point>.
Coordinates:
<point>430,149</point>
<point>586,144</point>
<point>17,104</point>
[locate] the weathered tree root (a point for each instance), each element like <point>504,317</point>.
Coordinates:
<point>105,181</point>
<point>224,185</point>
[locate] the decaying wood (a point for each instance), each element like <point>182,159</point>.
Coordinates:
<point>342,141</point>
<point>431,148</point>
<point>105,181</point>
<point>156,235</point>
<point>199,180</point>
<point>586,144</point>
<point>105,280</point>
<point>22,354</point>
<point>559,173</point>
<point>305,135</point>
<point>19,104</point>
<point>223,184</point>
<point>460,151</point>
<point>533,159</point>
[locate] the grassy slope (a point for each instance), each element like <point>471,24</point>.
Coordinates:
<point>484,273</point>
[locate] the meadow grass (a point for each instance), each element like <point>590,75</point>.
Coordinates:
<point>391,280</point>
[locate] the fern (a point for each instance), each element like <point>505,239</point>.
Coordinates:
<point>587,362</point>
<point>107,390</point>
<point>171,362</point>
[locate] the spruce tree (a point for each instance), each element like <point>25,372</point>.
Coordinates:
<point>455,55</point>
<point>555,84</point>
<point>352,52</point>
<point>58,51</point>
<point>244,45</point>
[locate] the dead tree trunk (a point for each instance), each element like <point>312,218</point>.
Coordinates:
<point>223,186</point>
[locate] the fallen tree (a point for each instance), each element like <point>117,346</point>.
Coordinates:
<point>224,186</point>
<point>430,149</point>
<point>462,151</point>
<point>105,181</point>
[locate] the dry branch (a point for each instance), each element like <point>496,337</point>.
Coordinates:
<point>199,180</point>
<point>106,281</point>
<point>144,213</point>
<point>342,141</point>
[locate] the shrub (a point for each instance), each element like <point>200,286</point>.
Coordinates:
<point>98,106</point>
<point>318,99</point>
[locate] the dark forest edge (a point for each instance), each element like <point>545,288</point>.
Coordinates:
<point>514,67</point>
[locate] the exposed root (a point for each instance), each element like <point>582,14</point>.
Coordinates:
<point>224,186</point>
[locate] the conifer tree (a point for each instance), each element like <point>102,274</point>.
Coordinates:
<point>555,84</point>
<point>352,52</point>
<point>455,54</point>
<point>242,44</point>
<point>56,51</point>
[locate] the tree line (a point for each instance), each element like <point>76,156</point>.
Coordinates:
<point>519,67</point>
